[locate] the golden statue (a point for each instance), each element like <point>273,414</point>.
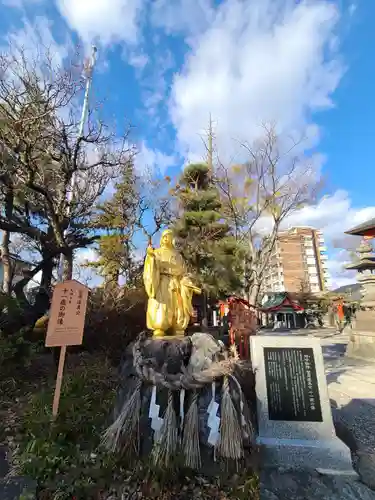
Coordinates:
<point>169,289</point>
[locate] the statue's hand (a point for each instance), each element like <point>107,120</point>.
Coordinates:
<point>150,251</point>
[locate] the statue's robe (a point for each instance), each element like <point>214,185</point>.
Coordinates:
<point>169,290</point>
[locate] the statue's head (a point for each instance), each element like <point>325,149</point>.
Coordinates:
<point>166,240</point>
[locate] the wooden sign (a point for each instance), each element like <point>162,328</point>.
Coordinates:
<point>65,325</point>
<point>67,315</point>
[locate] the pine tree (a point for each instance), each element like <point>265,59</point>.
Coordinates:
<point>205,240</point>
<point>116,218</point>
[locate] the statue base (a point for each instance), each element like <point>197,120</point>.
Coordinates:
<point>362,338</point>
<point>185,397</point>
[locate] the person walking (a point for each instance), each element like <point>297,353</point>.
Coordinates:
<point>348,313</point>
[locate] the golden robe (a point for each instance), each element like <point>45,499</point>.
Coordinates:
<point>169,291</point>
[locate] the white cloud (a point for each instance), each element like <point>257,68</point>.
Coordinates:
<point>336,266</point>
<point>334,215</point>
<point>153,159</point>
<point>37,40</point>
<point>182,16</point>
<point>99,20</point>
<point>86,275</point>
<point>258,61</point>
<point>85,255</point>
<point>138,59</point>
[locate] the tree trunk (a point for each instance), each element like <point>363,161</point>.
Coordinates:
<point>30,313</point>
<point>204,317</point>
<point>5,254</point>
<point>68,266</point>
<point>254,294</point>
<point>5,260</point>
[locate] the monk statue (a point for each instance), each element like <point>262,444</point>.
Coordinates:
<point>169,289</point>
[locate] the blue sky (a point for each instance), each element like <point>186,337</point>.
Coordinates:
<point>164,65</point>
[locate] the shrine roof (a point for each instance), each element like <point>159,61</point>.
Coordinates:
<point>278,301</point>
<point>364,229</point>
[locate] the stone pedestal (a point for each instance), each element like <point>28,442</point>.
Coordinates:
<point>362,337</point>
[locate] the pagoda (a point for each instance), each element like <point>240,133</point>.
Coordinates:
<point>362,338</point>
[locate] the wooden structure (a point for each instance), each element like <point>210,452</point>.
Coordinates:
<point>243,323</point>
<point>281,311</point>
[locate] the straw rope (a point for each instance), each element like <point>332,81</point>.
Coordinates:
<point>184,380</point>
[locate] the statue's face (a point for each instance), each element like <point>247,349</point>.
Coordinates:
<point>166,240</point>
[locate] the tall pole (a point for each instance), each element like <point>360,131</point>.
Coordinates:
<point>70,195</point>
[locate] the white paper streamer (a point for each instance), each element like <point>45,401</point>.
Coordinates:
<point>156,421</point>
<point>213,421</point>
<point>182,411</point>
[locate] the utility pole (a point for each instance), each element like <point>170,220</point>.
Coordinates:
<point>89,68</point>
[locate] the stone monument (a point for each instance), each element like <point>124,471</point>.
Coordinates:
<point>295,422</point>
<point>181,400</point>
<point>362,337</point>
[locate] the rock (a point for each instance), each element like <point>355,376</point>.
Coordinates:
<point>284,485</point>
<point>366,468</point>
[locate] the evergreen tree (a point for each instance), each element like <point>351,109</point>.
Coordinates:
<point>116,218</point>
<point>213,255</point>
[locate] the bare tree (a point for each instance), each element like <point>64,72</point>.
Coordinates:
<point>155,208</point>
<point>42,151</point>
<point>260,194</point>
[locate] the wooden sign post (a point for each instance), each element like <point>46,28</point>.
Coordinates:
<point>66,324</point>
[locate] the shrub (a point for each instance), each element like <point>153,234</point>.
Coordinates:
<point>16,349</point>
<point>114,319</point>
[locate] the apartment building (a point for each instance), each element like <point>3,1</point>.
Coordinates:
<point>298,263</point>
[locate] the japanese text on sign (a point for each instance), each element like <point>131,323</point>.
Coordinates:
<point>292,387</point>
<point>67,314</point>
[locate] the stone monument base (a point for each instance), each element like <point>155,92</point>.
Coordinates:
<point>362,337</point>
<point>325,456</point>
